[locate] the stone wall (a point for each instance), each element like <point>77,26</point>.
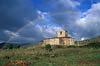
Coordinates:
<point>59,41</point>
<point>52,41</point>
<point>66,41</point>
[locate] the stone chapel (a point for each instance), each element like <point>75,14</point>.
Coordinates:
<point>61,39</point>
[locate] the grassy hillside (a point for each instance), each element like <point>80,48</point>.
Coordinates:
<point>33,56</point>
<point>2,44</point>
<point>87,41</point>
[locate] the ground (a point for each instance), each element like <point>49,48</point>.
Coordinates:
<point>32,56</point>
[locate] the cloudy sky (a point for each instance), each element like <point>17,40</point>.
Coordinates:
<point>33,20</point>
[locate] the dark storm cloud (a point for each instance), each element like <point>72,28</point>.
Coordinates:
<point>3,36</point>
<point>14,13</point>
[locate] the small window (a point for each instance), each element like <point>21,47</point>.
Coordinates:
<point>60,32</point>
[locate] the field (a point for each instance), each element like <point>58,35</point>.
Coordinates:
<point>33,56</point>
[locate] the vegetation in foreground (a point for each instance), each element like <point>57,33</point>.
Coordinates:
<point>60,56</point>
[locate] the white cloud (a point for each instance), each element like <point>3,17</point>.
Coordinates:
<point>71,3</point>
<point>1,41</point>
<point>81,22</point>
<point>45,26</point>
<point>90,23</point>
<point>47,31</point>
<point>82,38</point>
<point>95,7</point>
<point>10,33</point>
<point>14,37</point>
<point>92,17</point>
<point>41,15</point>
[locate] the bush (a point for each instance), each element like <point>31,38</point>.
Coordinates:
<point>47,46</point>
<point>11,46</point>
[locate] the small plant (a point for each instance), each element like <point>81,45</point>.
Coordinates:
<point>48,47</point>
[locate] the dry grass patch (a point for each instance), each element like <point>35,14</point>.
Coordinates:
<point>16,63</point>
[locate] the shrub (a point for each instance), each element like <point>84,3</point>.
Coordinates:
<point>10,46</point>
<point>48,47</point>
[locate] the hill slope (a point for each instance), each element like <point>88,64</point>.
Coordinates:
<point>95,39</point>
<point>2,44</point>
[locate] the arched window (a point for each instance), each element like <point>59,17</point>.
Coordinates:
<point>60,32</point>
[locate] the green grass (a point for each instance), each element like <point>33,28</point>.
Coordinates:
<point>58,57</point>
